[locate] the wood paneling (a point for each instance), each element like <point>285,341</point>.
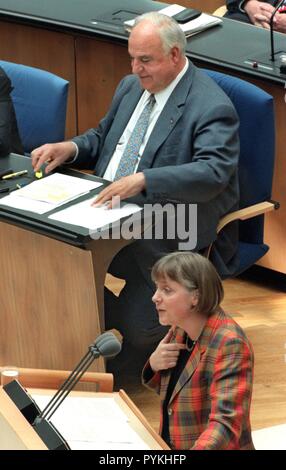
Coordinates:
<point>100,67</point>
<point>48,303</point>
<point>208,6</point>
<point>51,300</point>
<point>48,50</point>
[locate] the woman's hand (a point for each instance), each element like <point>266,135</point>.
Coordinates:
<point>166,354</point>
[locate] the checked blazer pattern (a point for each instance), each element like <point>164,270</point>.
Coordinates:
<point>210,404</point>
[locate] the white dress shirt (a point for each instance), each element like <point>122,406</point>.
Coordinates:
<point>161,99</point>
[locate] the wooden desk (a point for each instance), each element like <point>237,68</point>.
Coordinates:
<point>52,288</point>
<point>94,58</point>
<point>52,301</point>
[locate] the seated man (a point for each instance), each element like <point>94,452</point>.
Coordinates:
<point>257,12</point>
<point>9,136</point>
<point>188,155</point>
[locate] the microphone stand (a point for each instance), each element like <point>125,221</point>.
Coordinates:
<point>105,345</point>
<point>68,385</point>
<point>271,29</point>
<point>43,427</point>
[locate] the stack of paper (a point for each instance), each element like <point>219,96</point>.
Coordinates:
<point>48,193</point>
<point>204,21</point>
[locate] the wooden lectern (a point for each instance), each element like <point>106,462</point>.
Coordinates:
<point>52,282</point>
<point>15,431</point>
<point>17,434</point>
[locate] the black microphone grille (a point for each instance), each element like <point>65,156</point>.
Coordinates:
<point>107,344</point>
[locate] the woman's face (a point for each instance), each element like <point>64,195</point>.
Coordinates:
<point>173,302</point>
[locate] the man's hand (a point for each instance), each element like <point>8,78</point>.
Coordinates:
<point>280,22</point>
<point>166,354</point>
<point>53,154</point>
<point>259,13</point>
<point>127,186</point>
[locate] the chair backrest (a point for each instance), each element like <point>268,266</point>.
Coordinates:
<point>257,150</point>
<point>40,100</point>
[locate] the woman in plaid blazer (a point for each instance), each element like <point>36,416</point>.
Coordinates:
<point>203,368</point>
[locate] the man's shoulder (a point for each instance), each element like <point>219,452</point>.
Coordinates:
<point>208,91</point>
<point>128,82</point>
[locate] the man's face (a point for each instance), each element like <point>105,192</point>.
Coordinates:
<point>155,69</point>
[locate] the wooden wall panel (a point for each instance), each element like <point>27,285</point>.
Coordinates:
<point>208,6</point>
<point>48,301</point>
<point>100,67</point>
<point>48,50</point>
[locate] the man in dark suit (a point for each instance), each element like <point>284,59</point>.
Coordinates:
<point>257,12</point>
<point>188,156</point>
<point>9,136</point>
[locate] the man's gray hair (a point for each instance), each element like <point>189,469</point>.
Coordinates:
<point>168,29</point>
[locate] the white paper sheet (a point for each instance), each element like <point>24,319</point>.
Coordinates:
<point>84,215</point>
<point>93,423</point>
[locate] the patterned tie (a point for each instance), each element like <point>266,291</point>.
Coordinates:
<point>131,153</point>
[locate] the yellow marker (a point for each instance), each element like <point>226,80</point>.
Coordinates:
<point>14,175</point>
<point>39,174</point>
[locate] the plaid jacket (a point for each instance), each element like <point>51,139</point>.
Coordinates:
<point>210,404</point>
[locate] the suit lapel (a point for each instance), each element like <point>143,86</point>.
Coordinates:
<point>168,119</point>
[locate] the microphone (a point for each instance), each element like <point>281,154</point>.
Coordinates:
<point>271,29</point>
<point>106,345</point>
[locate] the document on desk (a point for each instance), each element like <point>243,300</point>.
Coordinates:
<point>93,423</point>
<point>49,193</point>
<point>204,21</point>
<point>93,218</point>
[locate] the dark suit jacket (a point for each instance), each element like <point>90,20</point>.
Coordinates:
<point>9,136</point>
<point>190,157</point>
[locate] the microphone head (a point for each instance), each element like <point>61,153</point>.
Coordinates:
<point>107,344</point>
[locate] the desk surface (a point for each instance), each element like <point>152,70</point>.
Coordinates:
<point>93,16</point>
<point>68,233</point>
<point>233,45</point>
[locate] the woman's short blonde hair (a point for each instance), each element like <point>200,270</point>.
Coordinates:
<point>194,272</point>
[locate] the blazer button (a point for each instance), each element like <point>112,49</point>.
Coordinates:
<point>170,411</point>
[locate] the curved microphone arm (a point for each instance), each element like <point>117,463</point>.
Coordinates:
<point>69,384</point>
<point>106,345</point>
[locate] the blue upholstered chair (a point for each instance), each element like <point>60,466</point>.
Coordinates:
<point>40,100</point>
<point>256,162</point>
